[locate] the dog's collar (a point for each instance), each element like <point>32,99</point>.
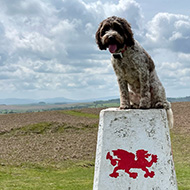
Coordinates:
<point>120,54</point>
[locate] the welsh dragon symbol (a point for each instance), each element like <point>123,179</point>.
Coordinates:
<point>126,160</point>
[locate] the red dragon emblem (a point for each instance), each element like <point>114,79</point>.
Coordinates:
<point>126,160</point>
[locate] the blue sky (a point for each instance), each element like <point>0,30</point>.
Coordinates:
<point>47,47</point>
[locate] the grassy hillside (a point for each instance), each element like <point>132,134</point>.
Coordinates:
<point>56,149</point>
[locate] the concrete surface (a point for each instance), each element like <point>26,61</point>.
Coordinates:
<point>134,151</point>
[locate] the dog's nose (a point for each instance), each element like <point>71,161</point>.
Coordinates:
<point>111,38</point>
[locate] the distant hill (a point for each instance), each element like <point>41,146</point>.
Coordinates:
<point>181,99</point>
<point>56,100</point>
<point>19,101</point>
<point>62,100</point>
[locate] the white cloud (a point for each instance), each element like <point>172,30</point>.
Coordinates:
<point>167,39</point>
<point>184,58</point>
<point>128,9</point>
<point>169,31</point>
<point>24,8</point>
<point>49,46</point>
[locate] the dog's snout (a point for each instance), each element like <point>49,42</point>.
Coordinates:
<point>111,38</point>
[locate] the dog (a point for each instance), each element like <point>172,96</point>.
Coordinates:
<point>138,81</point>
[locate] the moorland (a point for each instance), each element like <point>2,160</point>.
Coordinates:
<point>56,149</point>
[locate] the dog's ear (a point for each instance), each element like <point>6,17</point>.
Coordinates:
<point>98,38</point>
<point>128,34</point>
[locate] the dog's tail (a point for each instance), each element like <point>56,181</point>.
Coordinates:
<point>170,118</point>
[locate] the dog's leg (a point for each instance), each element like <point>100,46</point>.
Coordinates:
<point>145,101</point>
<point>124,94</point>
<point>134,99</point>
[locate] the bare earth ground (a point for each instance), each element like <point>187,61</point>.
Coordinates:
<point>181,111</point>
<point>55,136</point>
<point>48,137</point>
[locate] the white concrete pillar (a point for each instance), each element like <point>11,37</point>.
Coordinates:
<point>134,151</point>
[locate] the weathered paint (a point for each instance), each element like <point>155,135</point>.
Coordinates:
<point>134,151</point>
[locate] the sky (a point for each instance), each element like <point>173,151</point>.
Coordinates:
<point>48,49</point>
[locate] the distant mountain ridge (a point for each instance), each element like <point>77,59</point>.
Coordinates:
<point>180,99</point>
<point>20,101</point>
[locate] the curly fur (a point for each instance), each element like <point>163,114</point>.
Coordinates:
<point>138,82</point>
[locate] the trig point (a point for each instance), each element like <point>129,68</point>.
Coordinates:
<point>134,151</point>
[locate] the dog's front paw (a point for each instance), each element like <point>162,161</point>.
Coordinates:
<point>145,103</point>
<point>159,105</point>
<point>165,105</point>
<point>124,107</point>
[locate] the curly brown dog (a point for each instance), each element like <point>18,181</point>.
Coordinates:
<point>138,82</point>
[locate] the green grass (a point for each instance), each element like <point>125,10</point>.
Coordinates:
<point>45,127</point>
<point>45,178</point>
<point>80,114</point>
<point>183,175</point>
<point>75,177</point>
<point>181,151</point>
<point>79,175</point>
<point>37,128</point>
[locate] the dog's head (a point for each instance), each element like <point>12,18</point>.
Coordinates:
<point>114,33</point>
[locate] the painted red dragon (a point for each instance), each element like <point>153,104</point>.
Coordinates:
<point>126,160</point>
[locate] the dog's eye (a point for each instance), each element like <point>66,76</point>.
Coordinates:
<point>104,30</point>
<point>117,27</point>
